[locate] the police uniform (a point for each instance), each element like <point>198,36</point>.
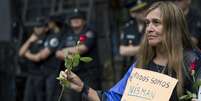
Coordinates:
<point>35,47</point>
<point>52,42</point>
<point>51,67</point>
<point>130,36</point>
<point>41,84</point>
<point>33,88</point>
<point>194,25</point>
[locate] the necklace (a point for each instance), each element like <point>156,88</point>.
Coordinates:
<point>160,69</point>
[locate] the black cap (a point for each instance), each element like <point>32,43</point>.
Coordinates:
<point>41,22</point>
<point>77,13</point>
<point>136,5</point>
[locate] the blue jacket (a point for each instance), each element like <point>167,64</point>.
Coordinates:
<point>116,92</point>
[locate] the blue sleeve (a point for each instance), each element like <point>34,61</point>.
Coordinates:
<point>116,92</point>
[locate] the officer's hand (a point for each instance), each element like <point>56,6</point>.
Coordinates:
<point>38,31</point>
<point>75,82</point>
<point>44,53</point>
<point>33,38</point>
<point>72,50</point>
<point>60,54</point>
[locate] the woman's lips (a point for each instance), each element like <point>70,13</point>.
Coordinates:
<point>150,37</point>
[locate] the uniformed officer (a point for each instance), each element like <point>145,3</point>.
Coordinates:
<point>132,31</point>
<point>43,67</point>
<point>51,63</point>
<point>193,20</point>
<point>79,31</point>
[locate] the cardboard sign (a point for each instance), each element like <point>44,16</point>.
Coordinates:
<point>145,85</point>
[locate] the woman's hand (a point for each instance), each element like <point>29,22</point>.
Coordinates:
<point>75,83</point>
<point>194,100</point>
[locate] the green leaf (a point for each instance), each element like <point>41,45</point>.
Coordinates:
<point>197,84</point>
<point>59,78</point>
<point>68,63</point>
<point>194,95</point>
<point>188,92</point>
<point>183,97</point>
<point>188,98</point>
<point>76,60</point>
<point>86,59</point>
<point>189,95</point>
<point>65,83</point>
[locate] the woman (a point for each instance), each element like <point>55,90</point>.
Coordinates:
<point>166,48</point>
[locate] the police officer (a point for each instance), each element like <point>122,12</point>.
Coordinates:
<point>43,67</point>
<point>79,31</point>
<point>132,31</point>
<point>193,20</point>
<point>51,63</point>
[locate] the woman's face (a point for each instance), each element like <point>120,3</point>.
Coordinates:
<point>154,27</point>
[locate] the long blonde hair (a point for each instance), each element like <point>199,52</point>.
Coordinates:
<point>176,38</point>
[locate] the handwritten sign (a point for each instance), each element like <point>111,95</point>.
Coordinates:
<point>145,85</point>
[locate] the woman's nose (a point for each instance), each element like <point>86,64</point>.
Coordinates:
<point>149,28</point>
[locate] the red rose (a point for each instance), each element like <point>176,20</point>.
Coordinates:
<point>83,38</point>
<point>193,65</point>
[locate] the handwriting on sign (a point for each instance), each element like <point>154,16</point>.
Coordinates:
<point>151,80</point>
<point>145,85</point>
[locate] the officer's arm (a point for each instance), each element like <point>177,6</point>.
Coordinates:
<point>71,50</point>
<point>44,53</point>
<point>27,44</point>
<point>84,46</point>
<point>37,57</point>
<point>129,50</point>
<point>32,57</point>
<point>60,54</point>
<point>81,49</point>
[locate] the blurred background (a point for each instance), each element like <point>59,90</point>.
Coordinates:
<point>17,19</point>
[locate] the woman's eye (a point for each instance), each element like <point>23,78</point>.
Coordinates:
<point>156,22</point>
<point>147,22</point>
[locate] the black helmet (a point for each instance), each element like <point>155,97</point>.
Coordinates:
<point>136,5</point>
<point>76,13</point>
